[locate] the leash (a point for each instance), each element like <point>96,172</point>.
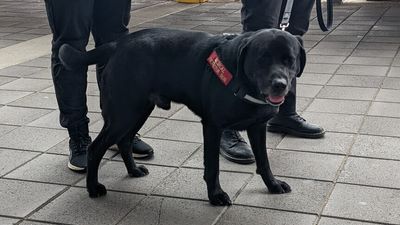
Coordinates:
<point>324,26</point>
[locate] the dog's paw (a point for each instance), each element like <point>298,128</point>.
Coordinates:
<point>220,198</point>
<point>139,171</point>
<point>279,187</point>
<point>97,191</point>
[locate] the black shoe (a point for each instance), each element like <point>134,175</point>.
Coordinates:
<point>235,149</point>
<point>140,149</point>
<point>295,125</point>
<point>78,150</point>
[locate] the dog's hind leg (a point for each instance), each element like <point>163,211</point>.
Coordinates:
<point>125,147</point>
<point>257,137</point>
<point>212,138</point>
<point>96,152</point>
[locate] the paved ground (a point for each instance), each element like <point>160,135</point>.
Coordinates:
<point>351,86</point>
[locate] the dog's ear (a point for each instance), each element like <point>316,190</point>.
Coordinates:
<point>302,56</point>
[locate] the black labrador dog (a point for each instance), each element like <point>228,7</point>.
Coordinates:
<point>229,81</point>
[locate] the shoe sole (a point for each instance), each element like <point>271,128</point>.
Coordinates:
<point>135,155</point>
<point>285,130</point>
<point>76,168</point>
<point>236,160</point>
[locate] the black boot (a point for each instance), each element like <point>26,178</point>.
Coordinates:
<point>234,148</point>
<point>294,125</point>
<point>78,144</point>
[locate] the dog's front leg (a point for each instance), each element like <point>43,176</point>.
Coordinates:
<point>257,136</point>
<point>212,138</point>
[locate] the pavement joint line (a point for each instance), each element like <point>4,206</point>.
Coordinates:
<point>348,153</point>
<point>359,220</point>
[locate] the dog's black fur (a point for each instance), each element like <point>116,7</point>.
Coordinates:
<point>156,66</point>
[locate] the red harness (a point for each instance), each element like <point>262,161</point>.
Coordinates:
<point>219,69</point>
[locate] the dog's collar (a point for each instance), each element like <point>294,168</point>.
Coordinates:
<point>226,77</point>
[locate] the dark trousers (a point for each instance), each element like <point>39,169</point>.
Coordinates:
<point>259,14</point>
<point>71,21</point>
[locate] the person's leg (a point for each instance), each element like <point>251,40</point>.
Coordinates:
<point>70,23</point>
<point>256,14</point>
<point>110,22</point>
<point>287,120</point>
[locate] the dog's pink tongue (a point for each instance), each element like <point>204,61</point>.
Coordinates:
<point>276,99</point>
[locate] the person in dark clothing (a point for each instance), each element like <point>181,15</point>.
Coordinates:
<point>260,14</point>
<point>71,22</point>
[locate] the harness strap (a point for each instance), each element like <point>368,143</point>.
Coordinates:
<point>286,15</point>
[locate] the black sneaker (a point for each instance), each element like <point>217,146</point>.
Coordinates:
<point>235,149</point>
<point>78,151</point>
<point>140,149</point>
<point>294,125</point>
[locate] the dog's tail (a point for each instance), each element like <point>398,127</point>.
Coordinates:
<point>74,59</point>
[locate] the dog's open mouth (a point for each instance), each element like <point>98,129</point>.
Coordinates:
<point>275,100</point>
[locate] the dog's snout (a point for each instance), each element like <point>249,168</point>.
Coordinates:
<point>279,85</point>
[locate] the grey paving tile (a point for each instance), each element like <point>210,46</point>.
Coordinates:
<point>338,106</point>
<point>349,93</point>
<point>189,183</point>
<point>52,120</point>
<point>374,52</point>
<point>9,96</point>
<point>306,196</point>
<point>334,221</point>
<point>93,104</point>
<point>8,221</point>
<point>335,122</point>
<point>374,172</point>
<point>4,80</point>
<point>320,68</point>
<point>302,103</point>
<point>185,114</point>
<point>42,74</point>
<point>308,91</point>
<point>377,46</point>
<point>314,78</point>
<point>395,40</point>
<point>115,177</point>
<point>356,81</point>
<point>326,43</point>
<point>332,52</point>
<point>23,197</point>
<point>364,203</point>
<point>394,72</point>
<point>196,161</point>
<point>165,211</point>
<point>325,59</point>
<point>373,61</point>
<point>27,222</point>
<point>363,70</point>
<point>388,95</point>
<point>11,159</point>
<point>24,84</point>
<point>343,38</point>
<point>47,168</point>
<point>238,215</point>
<point>75,207</point>
<point>38,100</point>
<point>178,130</point>
<point>391,83</point>
<point>20,116</point>
<point>18,71</point>
<point>305,165</point>
<point>381,126</point>
<point>377,147</point>
<point>384,109</point>
<point>37,139</point>
<point>338,143</point>
<point>168,153</point>
<point>4,129</point>
<point>38,62</point>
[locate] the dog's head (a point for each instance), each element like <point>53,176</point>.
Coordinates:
<point>270,59</point>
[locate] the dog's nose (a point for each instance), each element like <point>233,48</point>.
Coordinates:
<point>279,85</point>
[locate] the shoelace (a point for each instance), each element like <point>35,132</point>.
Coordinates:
<point>297,116</point>
<point>236,138</point>
<point>136,139</point>
<point>80,146</point>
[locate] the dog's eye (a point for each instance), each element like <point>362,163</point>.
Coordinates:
<point>288,61</point>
